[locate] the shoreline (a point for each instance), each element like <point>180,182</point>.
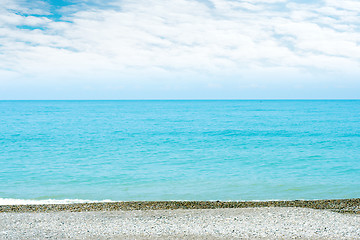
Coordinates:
<point>336,205</point>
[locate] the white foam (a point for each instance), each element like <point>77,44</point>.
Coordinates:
<point>12,201</point>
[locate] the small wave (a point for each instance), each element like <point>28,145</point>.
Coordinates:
<point>12,201</point>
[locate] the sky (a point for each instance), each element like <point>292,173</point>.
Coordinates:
<point>179,49</point>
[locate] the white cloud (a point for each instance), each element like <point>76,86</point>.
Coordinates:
<point>153,37</point>
<point>350,5</point>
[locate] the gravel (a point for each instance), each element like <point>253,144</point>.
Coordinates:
<point>223,223</point>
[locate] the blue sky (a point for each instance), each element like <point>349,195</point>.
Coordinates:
<point>179,49</point>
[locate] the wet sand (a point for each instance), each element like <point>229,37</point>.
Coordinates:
<point>338,205</point>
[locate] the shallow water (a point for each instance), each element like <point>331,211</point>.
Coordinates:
<point>179,150</point>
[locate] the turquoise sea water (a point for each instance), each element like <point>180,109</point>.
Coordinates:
<point>179,150</point>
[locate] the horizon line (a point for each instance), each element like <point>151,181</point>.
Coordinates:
<point>201,99</point>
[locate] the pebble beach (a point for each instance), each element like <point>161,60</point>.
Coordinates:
<point>321,219</point>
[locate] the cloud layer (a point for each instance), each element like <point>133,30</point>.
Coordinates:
<point>180,44</point>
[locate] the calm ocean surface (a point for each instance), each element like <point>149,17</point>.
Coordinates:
<point>179,150</point>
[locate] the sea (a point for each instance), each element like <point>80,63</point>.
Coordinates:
<point>228,150</point>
